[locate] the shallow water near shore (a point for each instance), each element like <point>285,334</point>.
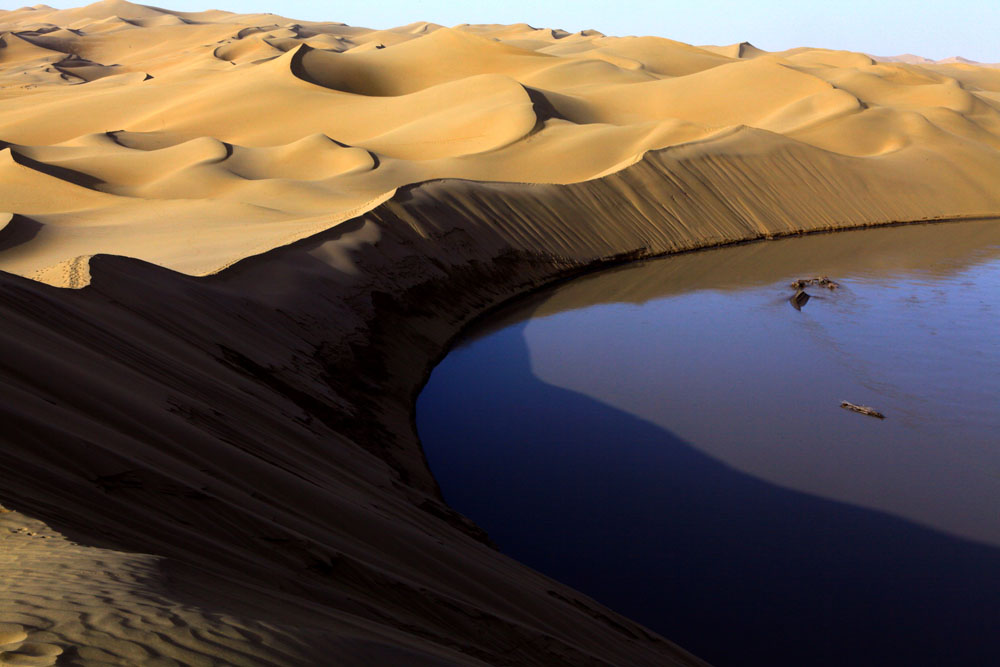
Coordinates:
<point>667,437</point>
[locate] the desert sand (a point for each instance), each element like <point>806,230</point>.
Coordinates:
<point>233,246</point>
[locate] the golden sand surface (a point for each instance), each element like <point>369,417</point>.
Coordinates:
<point>194,140</point>
<point>278,226</point>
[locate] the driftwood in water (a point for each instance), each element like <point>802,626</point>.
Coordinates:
<point>799,299</point>
<point>820,281</point>
<point>862,409</point>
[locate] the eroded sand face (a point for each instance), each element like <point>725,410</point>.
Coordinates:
<point>256,422</point>
<point>192,140</point>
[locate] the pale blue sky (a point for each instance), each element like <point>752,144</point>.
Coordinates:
<point>935,29</point>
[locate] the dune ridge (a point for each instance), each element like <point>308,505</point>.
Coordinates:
<point>276,227</point>
<point>425,102</point>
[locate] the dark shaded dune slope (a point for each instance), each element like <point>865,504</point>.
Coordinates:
<point>254,428</point>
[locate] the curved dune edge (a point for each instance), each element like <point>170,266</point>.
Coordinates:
<point>75,273</point>
<point>237,451</point>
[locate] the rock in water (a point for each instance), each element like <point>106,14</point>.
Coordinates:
<point>799,299</point>
<point>821,281</point>
<point>862,409</point>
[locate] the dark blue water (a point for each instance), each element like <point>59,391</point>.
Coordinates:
<point>667,438</point>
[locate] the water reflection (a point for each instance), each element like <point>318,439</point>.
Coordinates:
<point>641,436</point>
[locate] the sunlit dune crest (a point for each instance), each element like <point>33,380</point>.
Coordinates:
<point>132,129</point>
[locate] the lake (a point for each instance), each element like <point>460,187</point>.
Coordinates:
<point>668,438</point>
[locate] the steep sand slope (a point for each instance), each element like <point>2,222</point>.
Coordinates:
<point>278,226</point>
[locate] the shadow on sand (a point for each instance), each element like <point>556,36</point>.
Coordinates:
<point>739,571</point>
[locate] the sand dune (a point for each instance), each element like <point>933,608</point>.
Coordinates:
<point>275,227</point>
<point>411,104</point>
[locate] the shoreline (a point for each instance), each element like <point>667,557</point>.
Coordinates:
<point>276,399</point>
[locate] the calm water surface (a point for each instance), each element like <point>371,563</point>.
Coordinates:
<point>668,439</point>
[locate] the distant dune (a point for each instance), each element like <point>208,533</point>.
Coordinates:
<point>277,226</point>
<point>912,59</point>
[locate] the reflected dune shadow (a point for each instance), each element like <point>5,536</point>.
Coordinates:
<point>948,247</point>
<point>739,571</point>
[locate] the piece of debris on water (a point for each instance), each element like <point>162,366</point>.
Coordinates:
<point>819,281</point>
<point>799,299</point>
<point>862,409</point>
